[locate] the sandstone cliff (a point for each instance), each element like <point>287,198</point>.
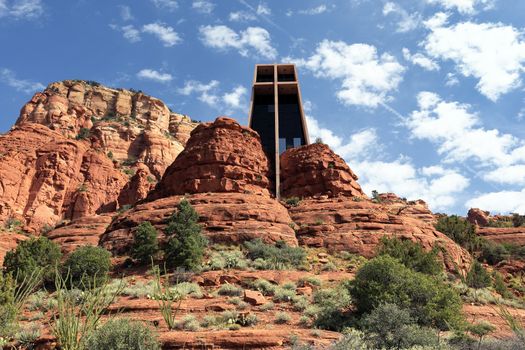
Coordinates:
<point>497,228</point>
<point>79,149</point>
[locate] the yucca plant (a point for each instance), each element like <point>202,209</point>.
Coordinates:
<point>76,318</point>
<point>169,300</point>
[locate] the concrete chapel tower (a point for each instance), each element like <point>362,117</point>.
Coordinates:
<point>276,112</point>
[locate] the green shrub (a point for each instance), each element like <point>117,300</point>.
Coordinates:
<point>518,220</point>
<point>412,255</point>
<point>330,308</point>
<point>230,290</point>
<point>385,280</point>
<point>391,327</point>
<point>459,230</point>
<point>187,289</point>
<point>293,201</point>
<point>123,334</point>
<point>282,317</point>
<point>188,323</point>
<point>33,254</point>
<point>352,340</point>
<point>283,294</point>
<point>478,277</point>
<point>493,253</point>
<point>264,286</point>
<point>185,245</point>
<point>87,267</point>
<point>500,286</point>
<point>83,134</point>
<point>145,243</point>
<point>279,256</point>
<point>227,259</point>
<point>268,306</point>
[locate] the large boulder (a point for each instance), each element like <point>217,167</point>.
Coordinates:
<point>222,156</point>
<point>314,170</point>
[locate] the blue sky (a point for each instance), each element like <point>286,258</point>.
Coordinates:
<point>424,98</point>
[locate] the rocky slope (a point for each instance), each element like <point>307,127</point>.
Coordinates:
<point>223,173</point>
<point>503,233</point>
<point>75,148</point>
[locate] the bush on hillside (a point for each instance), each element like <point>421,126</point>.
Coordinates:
<point>145,243</point>
<point>412,255</point>
<point>478,277</point>
<point>31,255</point>
<point>493,253</point>
<point>391,327</point>
<point>332,308</point>
<point>385,280</point>
<point>459,230</point>
<point>123,334</point>
<point>279,256</point>
<point>87,267</point>
<point>186,244</point>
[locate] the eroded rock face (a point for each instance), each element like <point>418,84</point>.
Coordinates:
<point>357,226</point>
<point>75,147</point>
<point>314,170</point>
<point>222,156</point>
<point>80,232</point>
<point>478,217</point>
<point>128,125</point>
<point>46,177</point>
<point>225,218</point>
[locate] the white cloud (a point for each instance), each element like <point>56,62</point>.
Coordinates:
<point>125,13</point>
<point>209,93</point>
<point>458,133</point>
<point>163,32</point>
<point>241,16</point>
<point>150,74</point>
<point>420,60</point>
<point>314,10</point>
<point>235,98</point>
<point>407,21</point>
<point>366,78</point>
<point>452,80</point>
<point>263,9</point>
<point>8,77</point>
<point>131,33</point>
<point>512,174</point>
<point>170,5</point>
<point>223,38</point>
<point>494,53</point>
<point>203,6</point>
<point>500,202</point>
<point>464,6</point>
<point>21,9</point>
<point>436,185</point>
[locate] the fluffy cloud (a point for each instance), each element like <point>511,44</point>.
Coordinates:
<point>493,53</point>
<point>420,60</point>
<point>169,5</point>
<point>366,78</point>
<point>314,10</point>
<point>163,32</point>
<point>512,174</point>
<point>203,6</point>
<point>407,21</point>
<point>458,133</point>
<point>436,185</point>
<point>500,202</point>
<point>464,6</point>
<point>130,33</point>
<point>253,38</point>
<point>21,9</point>
<point>263,9</point>
<point>150,74</point>
<point>241,16</point>
<point>209,93</point>
<point>9,78</point>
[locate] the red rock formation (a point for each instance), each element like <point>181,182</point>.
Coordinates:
<point>357,225</point>
<point>45,177</point>
<point>316,170</point>
<point>9,241</point>
<point>138,186</point>
<point>222,156</point>
<point>83,231</point>
<point>129,125</point>
<point>478,217</point>
<point>513,235</point>
<point>225,218</point>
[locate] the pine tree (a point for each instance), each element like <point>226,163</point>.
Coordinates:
<point>478,277</point>
<point>145,243</point>
<point>185,245</point>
